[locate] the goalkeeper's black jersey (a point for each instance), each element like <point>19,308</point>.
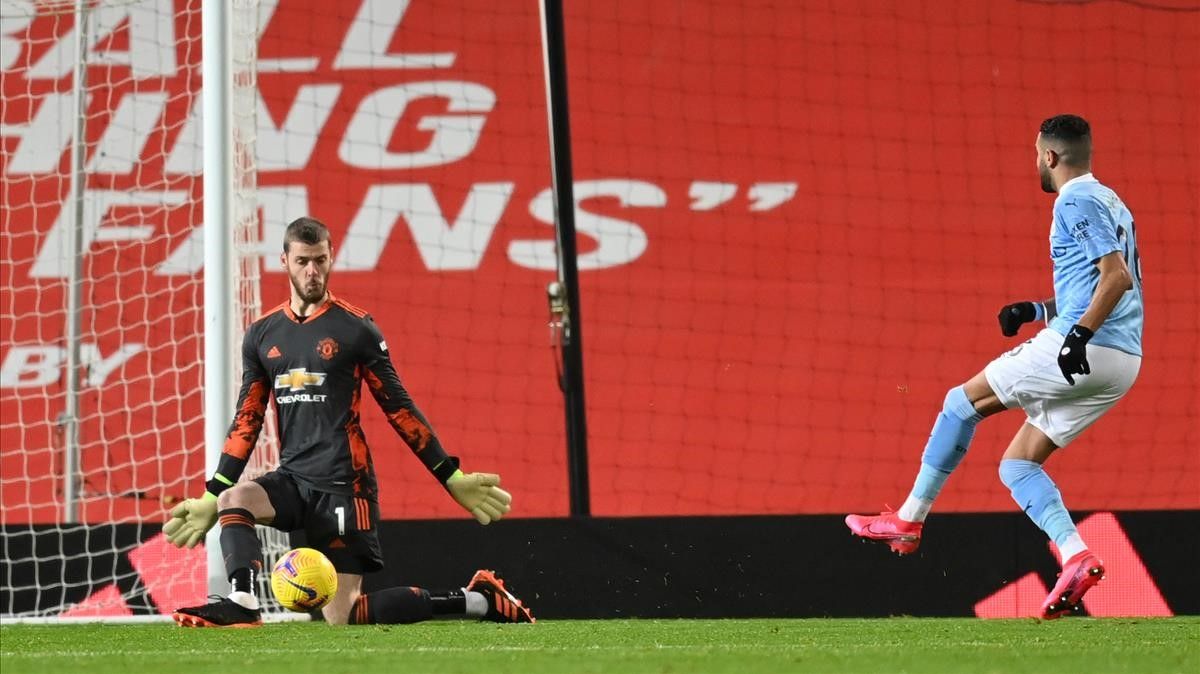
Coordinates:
<point>313,368</point>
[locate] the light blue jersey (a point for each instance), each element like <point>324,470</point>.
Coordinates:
<point>1091,221</point>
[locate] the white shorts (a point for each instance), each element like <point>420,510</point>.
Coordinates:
<point>1029,377</point>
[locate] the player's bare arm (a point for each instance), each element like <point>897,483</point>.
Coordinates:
<point>1113,283</point>
<point>1050,308</point>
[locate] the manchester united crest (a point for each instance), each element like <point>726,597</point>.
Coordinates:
<point>327,348</point>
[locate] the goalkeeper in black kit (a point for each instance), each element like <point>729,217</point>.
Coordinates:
<point>312,354</point>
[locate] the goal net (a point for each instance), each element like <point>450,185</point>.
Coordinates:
<point>82,507</point>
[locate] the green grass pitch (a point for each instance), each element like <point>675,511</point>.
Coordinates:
<point>894,646</point>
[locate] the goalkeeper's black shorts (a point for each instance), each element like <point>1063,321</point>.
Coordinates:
<point>342,526</point>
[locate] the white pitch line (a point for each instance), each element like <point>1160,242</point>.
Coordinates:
<point>413,649</point>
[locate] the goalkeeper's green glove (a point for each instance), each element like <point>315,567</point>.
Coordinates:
<point>480,494</point>
<point>190,520</point>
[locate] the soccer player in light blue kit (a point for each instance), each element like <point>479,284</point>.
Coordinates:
<point>1064,378</point>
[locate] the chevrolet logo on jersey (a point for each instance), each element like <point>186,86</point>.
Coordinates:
<point>299,379</point>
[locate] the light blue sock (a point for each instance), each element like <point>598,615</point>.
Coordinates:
<point>1037,494</point>
<point>948,442</point>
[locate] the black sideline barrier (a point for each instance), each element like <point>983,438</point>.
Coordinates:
<point>697,567</point>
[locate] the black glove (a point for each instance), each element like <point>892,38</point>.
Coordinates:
<point>1072,358</point>
<point>1013,316</point>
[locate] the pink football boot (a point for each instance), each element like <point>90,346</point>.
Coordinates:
<point>901,536</point>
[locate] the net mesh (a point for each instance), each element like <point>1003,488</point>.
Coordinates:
<point>834,199</point>
<point>140,430</point>
<point>139,408</point>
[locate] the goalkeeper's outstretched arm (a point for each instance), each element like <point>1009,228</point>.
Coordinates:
<point>478,493</point>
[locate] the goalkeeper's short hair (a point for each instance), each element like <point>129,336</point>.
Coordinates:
<point>305,230</point>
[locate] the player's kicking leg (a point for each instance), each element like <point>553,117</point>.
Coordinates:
<point>962,409</point>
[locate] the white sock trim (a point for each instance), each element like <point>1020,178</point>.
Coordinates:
<point>1072,546</point>
<point>245,600</point>
<point>477,604</point>
<point>914,509</point>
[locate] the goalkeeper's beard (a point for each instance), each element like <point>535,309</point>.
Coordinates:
<point>309,292</point>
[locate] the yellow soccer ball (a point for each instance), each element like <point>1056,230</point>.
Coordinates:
<point>303,580</point>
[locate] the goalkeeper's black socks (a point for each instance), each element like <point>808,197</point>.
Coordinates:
<point>412,604</point>
<point>243,554</point>
<point>395,605</point>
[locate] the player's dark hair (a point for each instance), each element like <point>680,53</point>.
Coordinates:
<point>306,230</point>
<point>1072,137</point>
